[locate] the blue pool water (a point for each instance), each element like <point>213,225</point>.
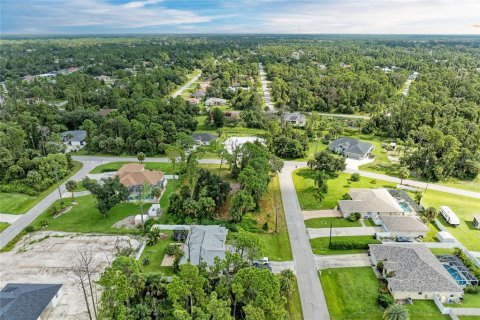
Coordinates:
<point>455,274</point>
<point>405,206</point>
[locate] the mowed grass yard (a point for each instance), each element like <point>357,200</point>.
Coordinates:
<point>335,222</point>
<point>3,226</point>
<point>320,245</point>
<point>337,187</point>
<point>276,245</point>
<point>18,203</point>
<point>155,254</point>
<point>465,208</point>
<point>351,294</point>
<point>85,217</point>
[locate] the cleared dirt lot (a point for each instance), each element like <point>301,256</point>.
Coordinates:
<point>37,259</point>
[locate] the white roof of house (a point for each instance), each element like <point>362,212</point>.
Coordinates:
<point>236,142</point>
<point>403,224</point>
<point>370,200</point>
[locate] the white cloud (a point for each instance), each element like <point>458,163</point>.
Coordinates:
<point>91,13</point>
<point>386,16</point>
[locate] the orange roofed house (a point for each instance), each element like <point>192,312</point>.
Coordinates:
<point>134,176</point>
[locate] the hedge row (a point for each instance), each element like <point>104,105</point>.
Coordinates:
<point>352,245</point>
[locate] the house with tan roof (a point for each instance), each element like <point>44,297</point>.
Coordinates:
<point>134,176</point>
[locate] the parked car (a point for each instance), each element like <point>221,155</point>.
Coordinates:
<point>403,239</point>
<point>262,263</point>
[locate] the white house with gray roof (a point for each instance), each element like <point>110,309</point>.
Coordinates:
<point>351,148</point>
<point>28,301</point>
<point>204,243</point>
<point>413,271</point>
<point>74,138</point>
<point>403,226</point>
<point>294,118</point>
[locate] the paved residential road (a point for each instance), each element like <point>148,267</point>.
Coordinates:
<point>314,305</point>
<point>25,219</point>
<point>186,86</point>
<point>266,91</point>
<point>341,115</point>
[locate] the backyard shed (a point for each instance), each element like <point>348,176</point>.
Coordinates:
<point>444,236</point>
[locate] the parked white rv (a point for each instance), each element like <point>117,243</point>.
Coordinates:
<point>449,216</point>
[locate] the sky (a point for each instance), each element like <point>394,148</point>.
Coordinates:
<point>240,16</point>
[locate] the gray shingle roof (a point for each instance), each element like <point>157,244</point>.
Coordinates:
<point>24,301</point>
<point>204,137</point>
<point>370,200</point>
<point>206,242</point>
<point>77,135</point>
<point>349,145</point>
<point>415,269</point>
<point>403,223</point>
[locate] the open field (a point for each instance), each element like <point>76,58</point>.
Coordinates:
<point>351,294</point>
<point>17,203</point>
<point>320,245</point>
<point>465,208</point>
<point>335,222</point>
<point>305,187</point>
<point>85,217</point>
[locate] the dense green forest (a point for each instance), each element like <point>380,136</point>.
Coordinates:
<point>423,92</point>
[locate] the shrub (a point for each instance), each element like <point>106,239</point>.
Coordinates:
<point>146,261</point>
<point>385,300</point>
<point>380,266</point>
<point>355,177</point>
<point>472,289</point>
<point>354,216</point>
<point>352,245</point>
<point>265,226</point>
<point>346,196</point>
<point>469,264</point>
<point>172,249</point>
<point>44,223</point>
<point>30,229</point>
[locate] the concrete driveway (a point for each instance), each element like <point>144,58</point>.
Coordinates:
<point>342,261</point>
<point>9,218</point>
<point>311,214</point>
<point>279,266</point>
<point>352,164</point>
<point>345,232</point>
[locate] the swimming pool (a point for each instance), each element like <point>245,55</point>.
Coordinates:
<point>455,274</point>
<point>405,206</point>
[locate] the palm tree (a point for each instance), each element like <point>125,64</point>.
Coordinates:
<point>403,173</point>
<point>156,192</point>
<point>396,312</point>
<point>71,186</point>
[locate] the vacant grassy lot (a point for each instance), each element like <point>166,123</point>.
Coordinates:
<point>18,203</point>
<point>335,222</point>
<point>305,187</point>
<point>85,217</point>
<point>351,294</point>
<point>3,226</point>
<point>114,166</point>
<point>155,254</point>
<point>294,305</point>
<point>320,245</point>
<point>465,208</point>
<point>276,245</point>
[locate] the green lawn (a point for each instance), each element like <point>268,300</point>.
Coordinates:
<point>85,217</point>
<point>465,208</point>
<point>472,185</point>
<point>3,226</point>
<point>441,251</point>
<point>17,203</point>
<point>305,187</point>
<point>156,253</point>
<point>336,223</point>
<point>469,317</point>
<point>294,305</point>
<point>320,245</point>
<point>432,233</point>
<point>469,301</point>
<point>114,166</point>
<point>369,223</point>
<point>351,294</point>
<point>276,246</point>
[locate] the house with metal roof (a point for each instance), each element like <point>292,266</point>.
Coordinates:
<point>27,301</point>
<point>294,118</point>
<point>203,138</point>
<point>351,148</point>
<point>204,244</point>
<point>413,272</point>
<point>74,137</point>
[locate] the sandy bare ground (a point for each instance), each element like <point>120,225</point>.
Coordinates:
<point>37,259</point>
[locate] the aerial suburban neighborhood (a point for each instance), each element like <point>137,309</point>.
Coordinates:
<point>236,176</point>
